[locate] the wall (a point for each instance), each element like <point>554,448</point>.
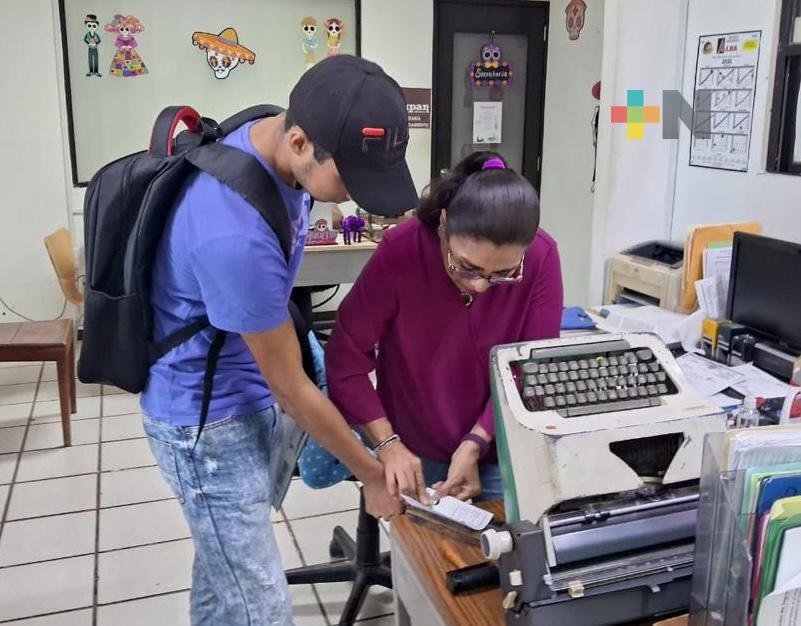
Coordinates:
<point>32,164</point>
<point>567,163</point>
<point>642,49</point>
<point>567,198</point>
<point>706,196</point>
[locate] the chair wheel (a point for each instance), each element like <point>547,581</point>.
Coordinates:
<point>335,551</point>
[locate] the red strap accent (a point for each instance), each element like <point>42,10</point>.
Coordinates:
<point>373,132</point>
<point>188,116</point>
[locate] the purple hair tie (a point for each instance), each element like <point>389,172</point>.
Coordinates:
<point>493,164</point>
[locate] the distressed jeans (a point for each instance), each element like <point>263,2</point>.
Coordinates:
<point>224,488</point>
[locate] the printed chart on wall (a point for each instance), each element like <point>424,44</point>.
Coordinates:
<point>725,82</point>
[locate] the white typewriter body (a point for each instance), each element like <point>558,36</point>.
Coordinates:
<point>554,459</point>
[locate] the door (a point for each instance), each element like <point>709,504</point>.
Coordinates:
<point>473,108</point>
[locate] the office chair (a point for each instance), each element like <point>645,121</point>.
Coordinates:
<point>364,564</point>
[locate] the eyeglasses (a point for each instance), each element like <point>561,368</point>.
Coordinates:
<point>512,276</point>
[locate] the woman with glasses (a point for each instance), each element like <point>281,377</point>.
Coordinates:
<point>472,271</point>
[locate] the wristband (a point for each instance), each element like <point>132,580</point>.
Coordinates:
<point>394,438</point>
<point>483,444</point>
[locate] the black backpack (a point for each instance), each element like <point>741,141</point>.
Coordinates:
<point>126,208</point>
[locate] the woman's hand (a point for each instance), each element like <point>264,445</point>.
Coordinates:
<point>464,480</point>
<point>403,472</point>
<point>378,502</point>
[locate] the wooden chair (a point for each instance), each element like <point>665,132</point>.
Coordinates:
<point>45,341</point>
<point>59,247</point>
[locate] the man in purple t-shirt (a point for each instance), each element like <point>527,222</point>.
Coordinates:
<point>344,135</point>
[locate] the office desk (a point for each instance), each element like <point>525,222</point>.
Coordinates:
<point>333,265</point>
<point>418,577</point>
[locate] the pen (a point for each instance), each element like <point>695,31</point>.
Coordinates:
<point>451,555</point>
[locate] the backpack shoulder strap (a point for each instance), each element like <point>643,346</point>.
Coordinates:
<point>256,112</point>
<point>244,174</point>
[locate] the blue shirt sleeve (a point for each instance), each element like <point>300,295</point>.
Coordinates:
<point>243,280</point>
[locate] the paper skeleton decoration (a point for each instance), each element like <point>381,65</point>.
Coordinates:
<point>490,70</point>
<point>223,51</point>
<point>309,42</point>
<point>574,20</point>
<point>334,29</point>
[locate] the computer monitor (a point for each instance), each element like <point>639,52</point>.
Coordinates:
<point>765,288</point>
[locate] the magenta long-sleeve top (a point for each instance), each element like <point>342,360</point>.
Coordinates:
<point>405,319</point>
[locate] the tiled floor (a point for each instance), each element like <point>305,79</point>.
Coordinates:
<point>91,535</point>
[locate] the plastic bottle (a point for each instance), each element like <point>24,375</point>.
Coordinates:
<point>748,414</point>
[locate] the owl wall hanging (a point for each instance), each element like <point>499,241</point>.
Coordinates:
<point>223,51</point>
<point>490,70</point>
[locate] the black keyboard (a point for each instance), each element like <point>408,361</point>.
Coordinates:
<point>592,378</point>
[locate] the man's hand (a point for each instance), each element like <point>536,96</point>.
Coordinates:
<point>464,481</point>
<point>403,472</point>
<point>378,502</point>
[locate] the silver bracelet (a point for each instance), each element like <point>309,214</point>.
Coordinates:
<point>393,438</point>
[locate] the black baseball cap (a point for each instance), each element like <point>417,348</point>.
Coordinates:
<point>349,107</point>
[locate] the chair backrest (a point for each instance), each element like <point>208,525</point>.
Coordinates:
<point>59,247</point>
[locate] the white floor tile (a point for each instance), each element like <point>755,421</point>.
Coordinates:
<point>132,486</point>
<point>111,390</point>
<point>50,410</point>
<point>7,463</point>
<point>117,455</point>
<point>57,463</point>
<point>50,372</point>
<point>314,534</point>
<point>4,489</point>
<point>51,497</point>
<point>303,501</point>
<point>42,436</point>
<point>140,524</point>
<point>49,391</point>
<point>305,608</point>
<point>11,439</point>
<point>18,375</point>
<point>17,394</point>
<point>334,596</point>
<point>46,587</point>
<point>73,618</point>
<point>122,427</point>
<point>286,546</point>
<point>4,364</point>
<point>140,572</point>
<point>167,610</point>
<point>384,620</point>
<point>15,414</point>
<point>45,538</point>
<point>122,404</point>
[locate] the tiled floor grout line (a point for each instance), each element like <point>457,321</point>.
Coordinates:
<point>98,482</point>
<point>18,460</point>
<point>110,471</point>
<point>102,508</point>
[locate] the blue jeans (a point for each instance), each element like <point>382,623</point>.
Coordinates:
<point>224,488</point>
<point>491,487</point>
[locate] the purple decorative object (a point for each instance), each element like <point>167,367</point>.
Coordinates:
<point>352,227</point>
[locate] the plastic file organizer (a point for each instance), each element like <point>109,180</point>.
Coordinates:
<point>748,485</point>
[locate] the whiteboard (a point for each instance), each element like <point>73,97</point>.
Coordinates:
<point>112,115</point>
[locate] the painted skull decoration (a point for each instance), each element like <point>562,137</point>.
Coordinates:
<point>222,64</point>
<point>574,13</point>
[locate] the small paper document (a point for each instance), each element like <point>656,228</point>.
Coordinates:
<point>643,319</point>
<point>454,510</point>
<point>754,382</point>
<point>487,122</point>
<point>717,262</point>
<point>707,377</point>
<point>712,294</point>
<point>782,607</point>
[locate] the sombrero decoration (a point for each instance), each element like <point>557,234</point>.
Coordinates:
<point>226,42</point>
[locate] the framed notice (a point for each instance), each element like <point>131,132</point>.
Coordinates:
<point>723,100</point>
